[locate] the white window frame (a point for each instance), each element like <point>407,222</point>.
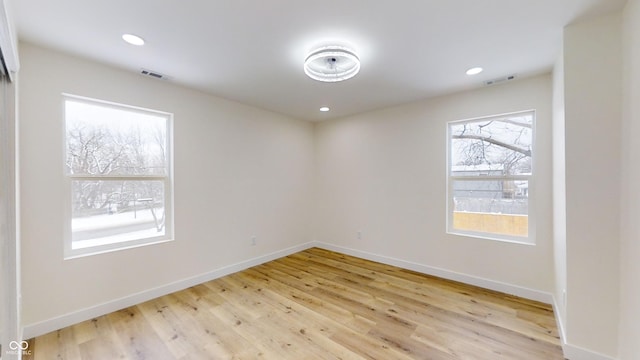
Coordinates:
<point>167,179</point>
<point>525,240</point>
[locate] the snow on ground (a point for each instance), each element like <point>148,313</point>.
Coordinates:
<point>114,228</point>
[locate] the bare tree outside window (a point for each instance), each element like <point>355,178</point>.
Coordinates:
<point>490,166</point>
<point>116,159</point>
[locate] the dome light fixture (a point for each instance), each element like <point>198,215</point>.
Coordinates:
<point>325,109</point>
<point>474,71</point>
<point>133,39</point>
<point>332,64</point>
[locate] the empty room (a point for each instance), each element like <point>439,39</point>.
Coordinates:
<point>208,179</point>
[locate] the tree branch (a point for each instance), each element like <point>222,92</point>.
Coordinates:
<point>508,121</point>
<point>515,148</point>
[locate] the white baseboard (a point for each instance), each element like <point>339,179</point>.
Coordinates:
<point>573,352</point>
<point>526,293</point>
<point>46,326</point>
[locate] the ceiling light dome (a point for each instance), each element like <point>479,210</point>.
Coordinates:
<point>133,39</point>
<point>332,64</point>
<point>475,71</point>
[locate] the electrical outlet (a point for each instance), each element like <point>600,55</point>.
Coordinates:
<point>359,234</point>
<point>253,241</point>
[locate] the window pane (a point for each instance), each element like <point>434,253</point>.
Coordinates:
<point>103,140</point>
<point>491,206</point>
<point>105,212</point>
<point>492,147</point>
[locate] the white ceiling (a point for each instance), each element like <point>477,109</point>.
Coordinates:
<point>252,51</point>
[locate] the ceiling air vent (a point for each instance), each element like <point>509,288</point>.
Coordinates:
<point>153,74</point>
<point>500,80</point>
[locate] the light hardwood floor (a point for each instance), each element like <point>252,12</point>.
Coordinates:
<point>317,304</point>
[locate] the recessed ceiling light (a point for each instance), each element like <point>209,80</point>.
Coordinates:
<point>133,39</point>
<point>474,71</point>
<point>332,64</point>
<point>324,109</point>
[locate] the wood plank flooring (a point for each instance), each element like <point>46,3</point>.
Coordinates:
<point>317,304</point>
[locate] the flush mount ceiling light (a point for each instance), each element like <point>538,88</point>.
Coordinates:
<point>474,71</point>
<point>324,109</point>
<point>133,39</point>
<point>332,64</point>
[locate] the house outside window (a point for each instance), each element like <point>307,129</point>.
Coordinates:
<point>490,170</point>
<point>118,176</point>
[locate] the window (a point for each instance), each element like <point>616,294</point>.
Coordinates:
<point>118,172</point>
<point>489,176</point>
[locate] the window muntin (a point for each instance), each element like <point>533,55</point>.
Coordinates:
<point>489,172</point>
<point>118,171</point>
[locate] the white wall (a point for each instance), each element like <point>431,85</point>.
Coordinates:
<point>239,172</point>
<point>630,245</point>
<point>10,329</point>
<point>384,173</point>
<point>559,194</point>
<point>592,83</point>
<point>9,243</point>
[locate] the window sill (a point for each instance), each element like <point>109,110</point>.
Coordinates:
<point>529,241</point>
<point>80,253</point>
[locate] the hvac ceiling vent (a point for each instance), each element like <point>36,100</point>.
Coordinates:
<point>500,80</point>
<point>153,74</point>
